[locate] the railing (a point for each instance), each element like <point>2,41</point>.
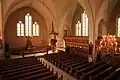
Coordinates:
<point>77,41</point>
<point>61,74</point>
<point>81,41</point>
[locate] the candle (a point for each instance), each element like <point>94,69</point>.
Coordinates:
<point>116,46</point>
<point>119,49</point>
<point>115,49</point>
<point>100,47</point>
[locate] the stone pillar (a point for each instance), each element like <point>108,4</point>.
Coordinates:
<point>92,37</point>
<point>1,32</point>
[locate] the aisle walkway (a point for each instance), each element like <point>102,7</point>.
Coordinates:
<point>37,54</point>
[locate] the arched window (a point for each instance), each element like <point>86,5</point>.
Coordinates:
<point>35,29</point>
<point>29,29</point>
<point>78,29</point>
<point>28,25</point>
<point>20,29</point>
<point>84,24</point>
<point>82,28</point>
<point>118,27</point>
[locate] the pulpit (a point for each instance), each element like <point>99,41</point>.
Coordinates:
<point>53,38</point>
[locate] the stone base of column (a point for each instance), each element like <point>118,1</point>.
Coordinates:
<point>1,54</point>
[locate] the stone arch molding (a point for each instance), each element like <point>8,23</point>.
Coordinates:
<point>86,4</point>
<point>44,9</point>
<point>102,16</point>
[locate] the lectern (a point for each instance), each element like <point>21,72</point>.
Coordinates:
<point>53,38</point>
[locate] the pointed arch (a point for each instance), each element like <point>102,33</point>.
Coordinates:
<point>48,15</point>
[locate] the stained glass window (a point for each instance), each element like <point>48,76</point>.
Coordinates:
<point>35,29</point>
<point>20,29</point>
<point>78,29</point>
<point>84,24</point>
<point>28,25</point>
<point>29,29</point>
<point>82,28</point>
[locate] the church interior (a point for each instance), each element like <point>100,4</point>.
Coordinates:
<point>59,40</point>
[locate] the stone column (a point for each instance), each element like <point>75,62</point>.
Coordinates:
<point>1,32</point>
<point>92,35</point>
<point>92,38</point>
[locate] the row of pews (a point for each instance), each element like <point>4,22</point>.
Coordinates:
<point>79,67</point>
<point>28,68</point>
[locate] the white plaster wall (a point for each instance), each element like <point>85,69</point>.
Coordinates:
<point>1,37</point>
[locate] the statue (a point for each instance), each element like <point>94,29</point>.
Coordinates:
<point>28,43</point>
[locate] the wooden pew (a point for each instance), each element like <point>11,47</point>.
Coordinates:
<point>72,62</point>
<point>77,68</point>
<point>25,71</point>
<point>60,58</point>
<point>86,76</point>
<point>74,65</point>
<point>21,68</point>
<point>67,61</point>
<point>22,65</point>
<point>27,74</point>
<point>37,76</point>
<point>50,77</point>
<point>14,60</point>
<point>13,73</point>
<point>17,63</point>
<point>114,75</point>
<point>101,75</point>
<point>59,61</point>
<point>25,68</point>
<point>88,68</point>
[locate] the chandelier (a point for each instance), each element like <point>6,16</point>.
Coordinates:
<point>108,43</point>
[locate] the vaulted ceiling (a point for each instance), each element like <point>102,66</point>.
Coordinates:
<point>61,11</point>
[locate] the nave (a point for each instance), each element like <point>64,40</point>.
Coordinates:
<point>75,64</point>
<point>33,27</point>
